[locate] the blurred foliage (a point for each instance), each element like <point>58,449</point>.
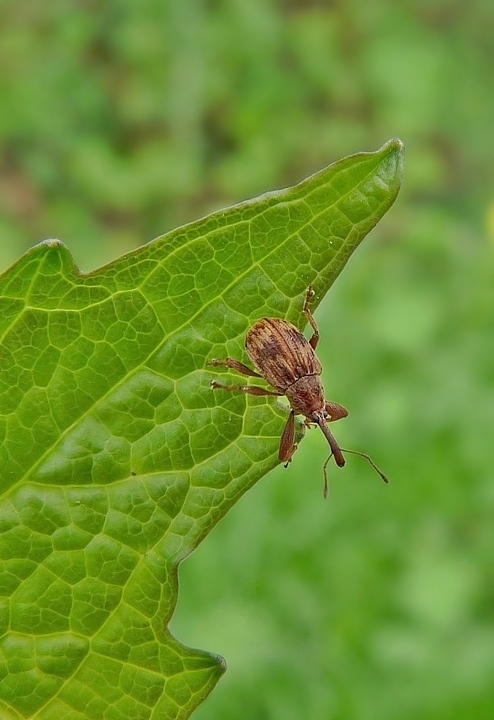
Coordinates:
<point>120,120</point>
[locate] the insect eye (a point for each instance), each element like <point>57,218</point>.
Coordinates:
<point>315,417</point>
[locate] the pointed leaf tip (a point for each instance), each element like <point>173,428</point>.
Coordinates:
<point>117,458</point>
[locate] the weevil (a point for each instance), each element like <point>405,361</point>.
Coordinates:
<point>288,361</point>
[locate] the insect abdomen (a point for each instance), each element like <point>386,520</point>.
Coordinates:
<point>280,352</point>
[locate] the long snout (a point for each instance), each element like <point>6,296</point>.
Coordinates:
<point>335,448</point>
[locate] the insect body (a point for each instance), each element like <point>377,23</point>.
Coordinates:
<point>287,360</point>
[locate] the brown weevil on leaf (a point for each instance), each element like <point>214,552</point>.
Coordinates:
<point>287,360</point>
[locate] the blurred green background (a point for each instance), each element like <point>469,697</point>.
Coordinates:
<point>120,120</point>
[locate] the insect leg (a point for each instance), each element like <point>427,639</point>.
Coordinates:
<point>235,365</point>
<point>310,318</point>
<point>287,443</point>
<point>335,411</point>
<point>249,389</point>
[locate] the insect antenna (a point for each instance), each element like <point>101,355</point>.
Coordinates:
<point>325,471</point>
<point>370,461</point>
<point>352,452</point>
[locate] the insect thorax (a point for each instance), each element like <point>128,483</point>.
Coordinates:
<point>306,395</point>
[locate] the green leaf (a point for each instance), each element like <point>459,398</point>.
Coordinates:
<point>116,456</point>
